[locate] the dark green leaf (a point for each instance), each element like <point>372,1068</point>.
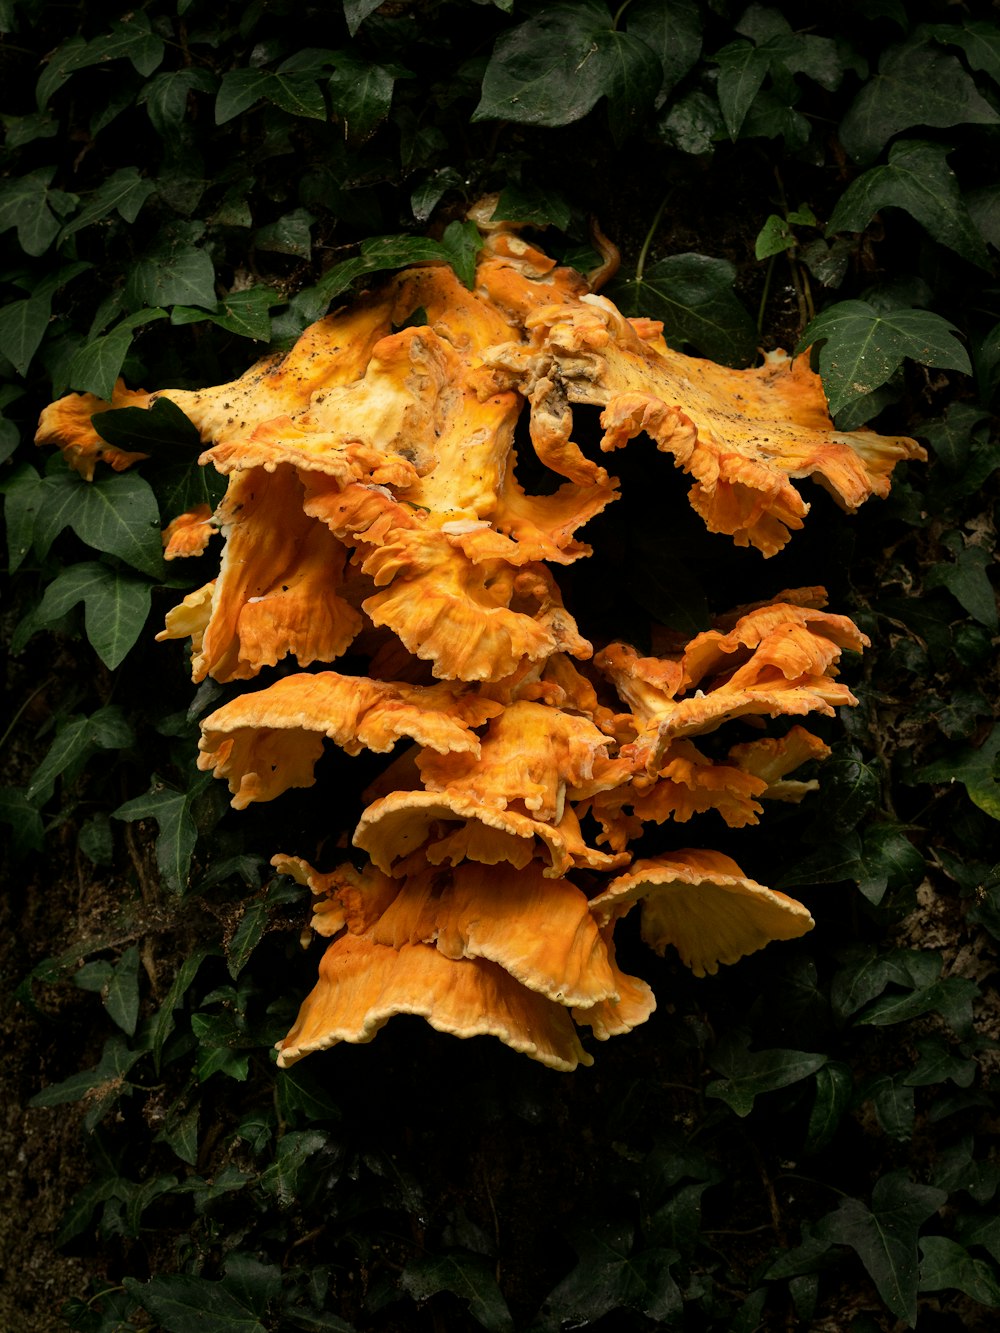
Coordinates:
<point>693,124</point>
<point>166,98</point>
<point>885,1236</point>
<point>291,1161</point>
<point>850,789</point>
<point>462,243</point>
<point>946,1265</point>
<point>672,31</point>
<point>289,235</point>
<point>97,364</point>
<point>239,90</point>
<point>742,69</point>
<point>178,832</point>
<point>298,94</point>
<point>248,934</point>
<point>255,1284</point>
<point>834,1089</point>
<point>25,831</point>
<point>124,192</point>
<point>23,325</point>
<point>173,275</point>
<point>102,1086</point>
<point>889,861</point>
<point>967,580</point>
<point>34,208</point>
<point>937,1063</point>
<point>116,605</point>
<point>976,769</point>
<point>162,1023</point>
<point>918,179</point>
<point>542,207</point>
<point>23,497</point>
<point>895,1108</point>
<point>833,861</point>
<point>746,1074</point>
<point>182,1303</point>
<point>552,69</point>
<point>470,1277</point>
<point>117,513</point>
<point>121,997</point>
<point>180,1134</point>
<point>862,348</point>
<point>693,296</point>
<point>244,313</point>
<point>866,973</point>
<point>951,997</point>
<point>361,95</point>
<point>917,84</point>
<point>356,11</point>
<point>610,1275</point>
<point>634,81</point>
<point>149,430</point>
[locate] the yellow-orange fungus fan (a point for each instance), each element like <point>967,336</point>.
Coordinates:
<point>701,903</point>
<point>267,742</point>
<point>391,568</point>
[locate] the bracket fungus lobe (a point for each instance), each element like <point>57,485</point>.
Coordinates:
<point>374,506</point>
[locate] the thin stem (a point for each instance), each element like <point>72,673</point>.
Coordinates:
<point>641,261</point>
<point>621,10</point>
<point>765,294</point>
<point>17,716</point>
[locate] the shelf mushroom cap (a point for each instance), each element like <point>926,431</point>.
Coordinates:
<point>362,984</point>
<point>702,904</point>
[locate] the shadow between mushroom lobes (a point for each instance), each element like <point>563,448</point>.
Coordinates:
<point>373,506</point>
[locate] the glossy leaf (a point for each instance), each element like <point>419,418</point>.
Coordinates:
<point>917,178</point>
<point>834,1089</point>
<point>885,1236</point>
<point>747,1074</point>
<point>183,1303</point>
<point>693,295</point>
<point>976,769</point>
<point>611,1275</point>
<point>860,348</point>
<point>161,427</point>
<point>470,1277</point>
<point>947,1266</point>
<point>30,204</point>
<point>743,68</point>
<point>361,95</point>
<point>124,193</point>
<point>177,834</point>
<point>672,29</point>
<point>116,604</point>
<point>917,84</point>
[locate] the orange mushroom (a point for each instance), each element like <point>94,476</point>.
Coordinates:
<point>375,505</point>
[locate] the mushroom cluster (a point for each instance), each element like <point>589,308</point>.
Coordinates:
<point>373,504</point>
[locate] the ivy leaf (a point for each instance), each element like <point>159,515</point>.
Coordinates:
<point>894,1104</point>
<point>462,243</point>
<point>160,428</point>
<point>162,1022</point>
<point>172,274</point>
<point>946,1265</point>
<point>834,1089</point>
<point>356,11</point>
<point>672,30</point>
<point>634,80</point>
<point>885,1236</point>
<point>178,831</point>
<point>693,296</point>
<point>361,95</point>
<point>95,367</point>
<point>183,1303</point>
<point>917,84</point>
<point>244,313</point>
<point>552,69</point>
<point>282,1178</point>
<point>918,179</point>
<point>610,1275</point>
<point>166,98</point>
<point>862,347</point>
<point>288,235</point>
<point>120,994</point>
<point>540,206</point>
<point>116,604</point>
<point>35,209</point>
<point>116,513</point>
<point>692,124</point>
<point>980,42</point>
<point>967,580</point>
<point>107,729</point>
<point>747,1074</point>
<point>975,769</point>
<point>298,94</point>
<point>101,1086</point>
<point>124,192</point>
<point>239,90</point>
<point>470,1277</point>
<point>742,69</point>
<point>888,861</point>
<point>23,325</point>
